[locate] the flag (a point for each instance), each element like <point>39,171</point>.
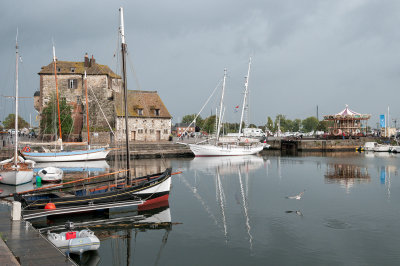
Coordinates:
<point>382,120</point>
<point>236,108</point>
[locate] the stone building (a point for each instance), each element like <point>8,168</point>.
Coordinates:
<point>102,83</point>
<point>148,118</point>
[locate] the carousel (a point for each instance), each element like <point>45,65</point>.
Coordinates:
<point>348,123</point>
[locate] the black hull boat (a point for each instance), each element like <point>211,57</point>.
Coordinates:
<point>144,190</point>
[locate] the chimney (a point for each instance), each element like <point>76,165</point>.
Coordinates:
<point>92,61</point>
<point>86,61</point>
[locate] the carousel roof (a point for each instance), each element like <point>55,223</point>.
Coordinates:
<point>346,113</point>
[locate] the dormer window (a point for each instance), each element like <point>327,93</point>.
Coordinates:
<point>73,69</point>
<point>140,111</point>
<point>157,112</point>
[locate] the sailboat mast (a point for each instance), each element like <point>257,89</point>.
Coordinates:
<point>16,102</point>
<point>246,91</point>
<point>58,101</point>
<point>221,106</point>
<point>123,51</point>
<point>87,113</point>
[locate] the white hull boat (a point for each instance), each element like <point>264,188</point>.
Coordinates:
<point>395,149</point>
<point>68,156</point>
<point>11,174</point>
<point>224,150</point>
<point>381,148</point>
<point>75,242</point>
<point>369,146</point>
<point>159,189</point>
<point>17,170</point>
<point>16,177</point>
<point>51,174</point>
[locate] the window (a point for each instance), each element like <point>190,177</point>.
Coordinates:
<point>72,84</point>
<point>78,99</point>
<point>73,69</point>
<point>151,131</point>
<point>140,111</point>
<point>58,69</point>
<point>140,131</point>
<point>165,131</point>
<point>157,112</point>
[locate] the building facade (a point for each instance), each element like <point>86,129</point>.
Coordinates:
<point>148,118</point>
<point>102,84</point>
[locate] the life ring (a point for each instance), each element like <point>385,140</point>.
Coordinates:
<point>336,132</point>
<point>26,149</point>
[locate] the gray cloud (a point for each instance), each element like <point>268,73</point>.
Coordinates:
<point>305,53</point>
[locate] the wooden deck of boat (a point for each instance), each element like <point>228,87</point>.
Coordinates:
<point>20,242</point>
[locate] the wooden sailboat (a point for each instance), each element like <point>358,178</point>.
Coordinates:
<point>17,170</point>
<point>67,156</point>
<point>235,146</point>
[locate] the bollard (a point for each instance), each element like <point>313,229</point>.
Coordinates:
<point>16,211</point>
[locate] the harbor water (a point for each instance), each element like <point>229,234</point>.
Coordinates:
<point>242,211</point>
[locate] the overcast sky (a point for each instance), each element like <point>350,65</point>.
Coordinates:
<point>305,53</point>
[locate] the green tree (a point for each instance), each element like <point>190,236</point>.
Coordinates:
<point>310,123</point>
<point>284,124</point>
<point>270,124</point>
<point>9,122</point>
<point>324,125</point>
<point>209,124</point>
<point>189,119</point>
<point>49,117</point>
<point>296,126</point>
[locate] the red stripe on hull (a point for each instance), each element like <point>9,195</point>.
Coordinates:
<point>154,203</point>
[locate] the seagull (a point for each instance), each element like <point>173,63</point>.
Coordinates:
<point>296,212</point>
<point>298,197</point>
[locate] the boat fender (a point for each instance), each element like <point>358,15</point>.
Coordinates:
<point>26,149</point>
<point>247,140</point>
<point>50,206</point>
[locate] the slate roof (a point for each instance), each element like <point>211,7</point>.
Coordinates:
<point>148,101</point>
<point>65,68</point>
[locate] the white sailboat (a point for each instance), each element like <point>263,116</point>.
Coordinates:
<point>17,170</point>
<point>73,155</point>
<point>229,146</point>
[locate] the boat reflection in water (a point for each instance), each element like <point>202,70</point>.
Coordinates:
<point>115,229</point>
<point>227,164</point>
<point>346,175</point>
<point>227,173</point>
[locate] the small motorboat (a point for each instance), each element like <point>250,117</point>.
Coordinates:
<point>395,149</point>
<point>75,242</point>
<point>381,148</point>
<point>51,174</point>
<point>369,146</point>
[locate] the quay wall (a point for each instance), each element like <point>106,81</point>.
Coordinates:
<point>318,144</point>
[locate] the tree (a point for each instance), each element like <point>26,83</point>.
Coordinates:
<point>49,117</point>
<point>189,119</point>
<point>296,125</point>
<point>324,125</point>
<point>270,124</point>
<point>9,122</point>
<point>310,123</point>
<point>209,124</point>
